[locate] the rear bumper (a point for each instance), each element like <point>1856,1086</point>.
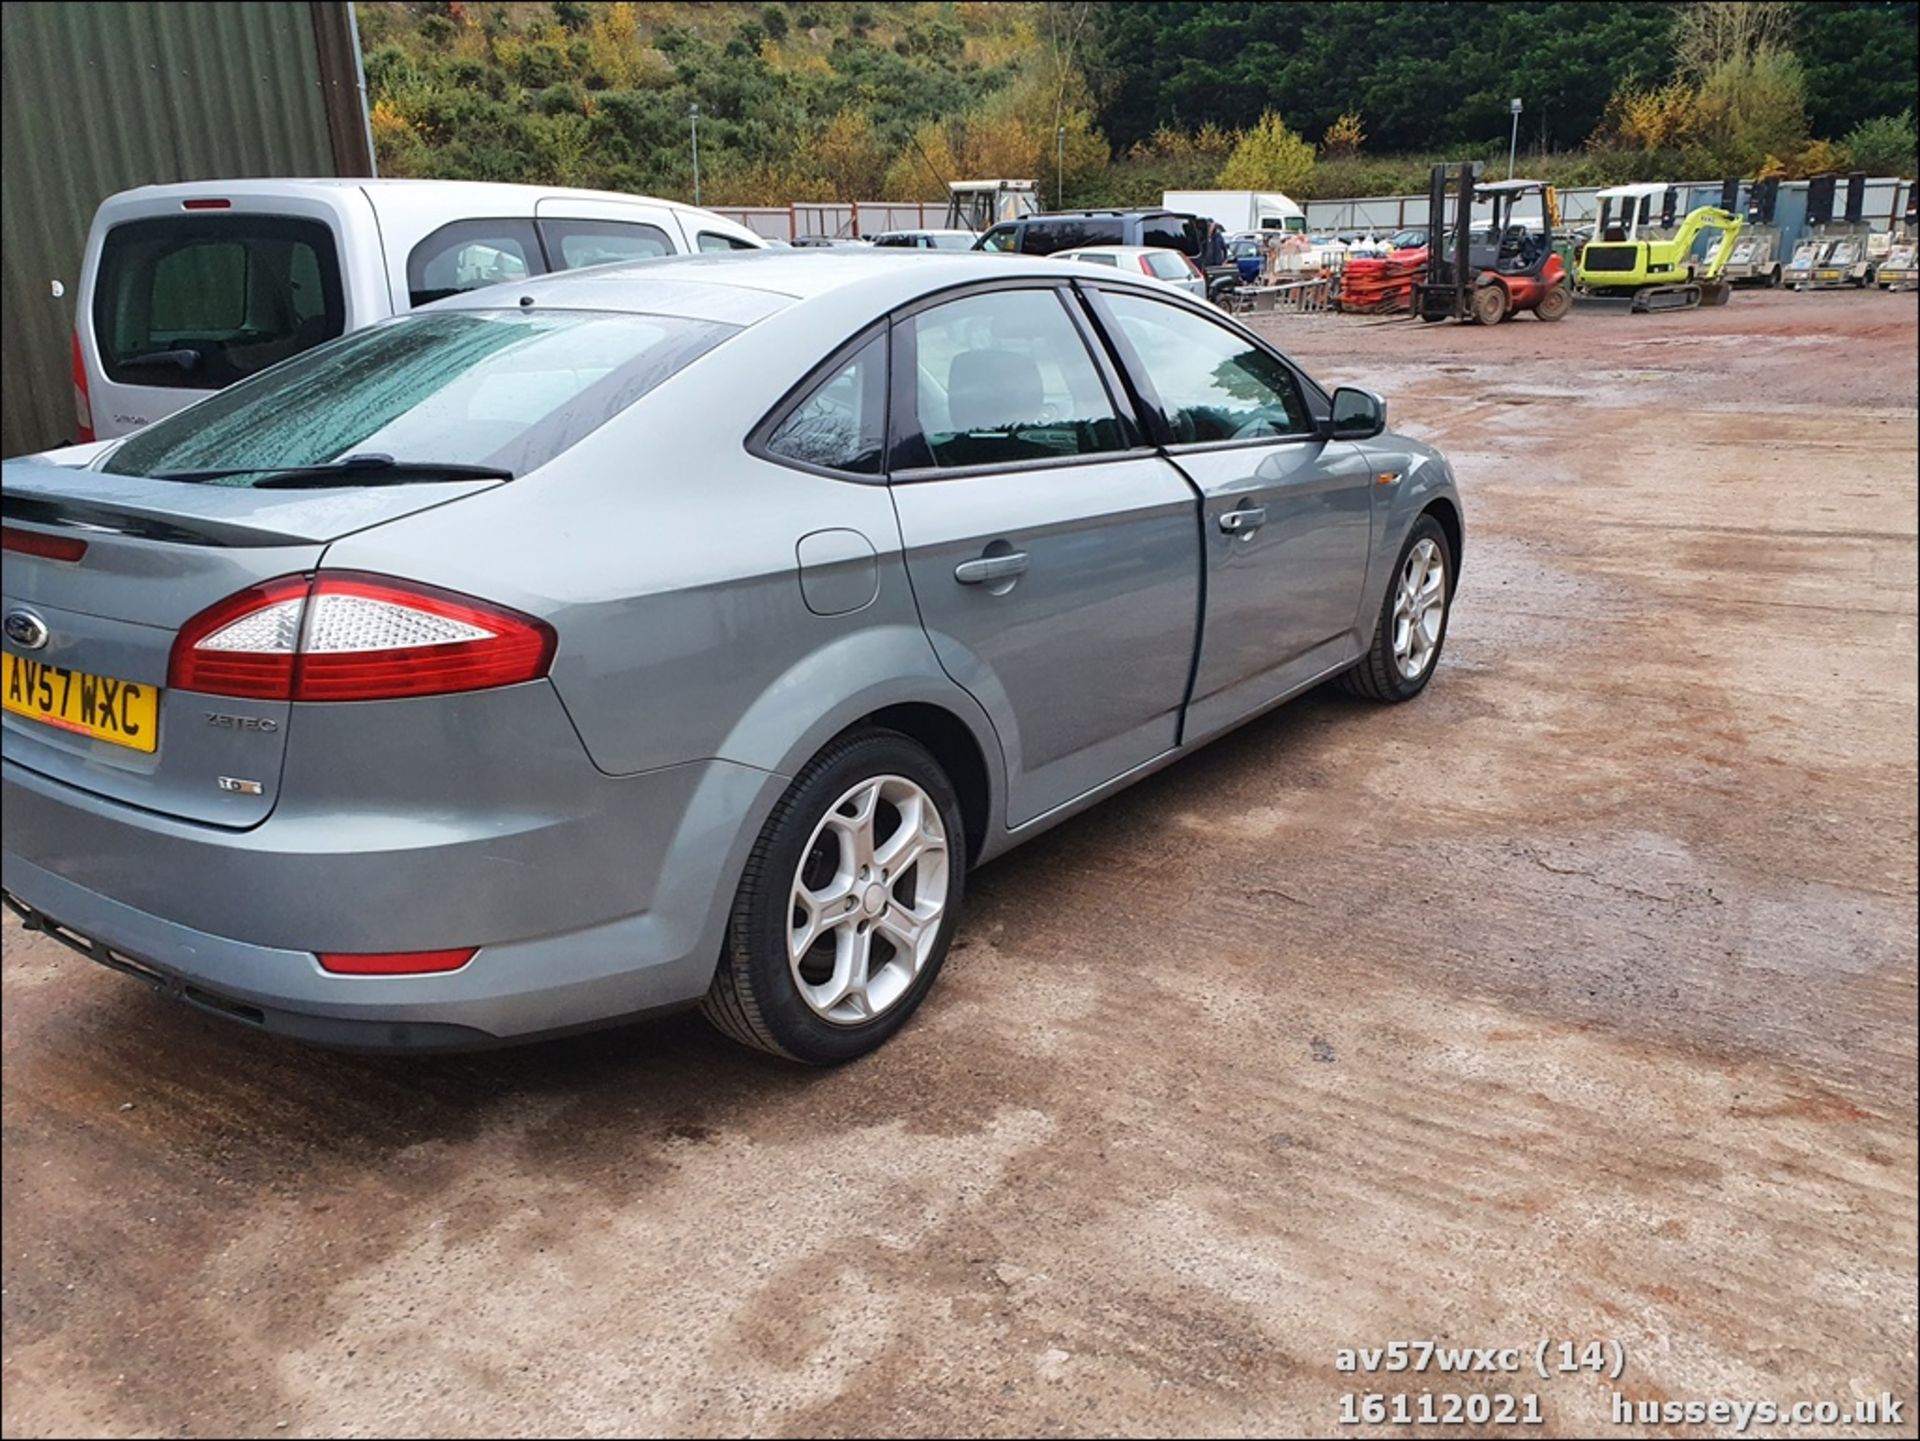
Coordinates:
<point>596,914</point>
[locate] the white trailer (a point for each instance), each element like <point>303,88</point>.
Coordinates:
<point>1240,210</point>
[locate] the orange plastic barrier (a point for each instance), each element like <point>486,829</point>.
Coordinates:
<point>1381,286</point>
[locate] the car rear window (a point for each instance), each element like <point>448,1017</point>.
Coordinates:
<point>196,302</point>
<point>506,388</point>
<point>1168,265</point>
<point>1071,232</point>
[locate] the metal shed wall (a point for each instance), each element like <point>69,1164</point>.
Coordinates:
<point>100,97</point>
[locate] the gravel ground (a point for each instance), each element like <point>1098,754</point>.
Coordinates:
<point>1576,1000</point>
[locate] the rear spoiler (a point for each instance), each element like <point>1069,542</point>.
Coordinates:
<point>37,492</point>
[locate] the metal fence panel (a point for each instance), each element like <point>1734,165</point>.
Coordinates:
<point>101,97</point>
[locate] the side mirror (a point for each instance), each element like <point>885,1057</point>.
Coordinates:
<point>1357,414</point>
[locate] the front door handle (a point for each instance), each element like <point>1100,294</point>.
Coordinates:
<point>990,568</point>
<point>1244,521</point>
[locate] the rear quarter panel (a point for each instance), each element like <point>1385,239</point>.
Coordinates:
<point>664,555</point>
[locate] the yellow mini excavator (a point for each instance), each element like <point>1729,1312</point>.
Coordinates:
<point>1659,272</point>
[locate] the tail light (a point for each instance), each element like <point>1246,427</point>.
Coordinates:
<point>82,402</point>
<point>1145,269</point>
<point>1193,267</point>
<point>343,636</point>
<point>395,963</point>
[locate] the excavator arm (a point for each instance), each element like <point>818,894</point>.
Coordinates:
<point>1709,217</point>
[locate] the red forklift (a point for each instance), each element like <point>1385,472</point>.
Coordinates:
<point>1483,273</point>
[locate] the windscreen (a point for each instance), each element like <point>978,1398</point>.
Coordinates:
<point>506,388</point>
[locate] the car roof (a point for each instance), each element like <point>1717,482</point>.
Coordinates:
<point>473,196</point>
<point>1115,250</point>
<point>1502,187</point>
<point>741,286</point>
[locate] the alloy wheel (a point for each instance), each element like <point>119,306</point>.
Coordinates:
<point>1419,609</point>
<point>868,900</point>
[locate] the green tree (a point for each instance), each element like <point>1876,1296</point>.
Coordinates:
<point>1268,157</point>
<point>1884,145</point>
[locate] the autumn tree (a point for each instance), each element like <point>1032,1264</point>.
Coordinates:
<point>1268,157</point>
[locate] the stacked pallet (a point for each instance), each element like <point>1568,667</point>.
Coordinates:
<point>1381,286</point>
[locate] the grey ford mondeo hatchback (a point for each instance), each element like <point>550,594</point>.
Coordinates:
<point>672,633</point>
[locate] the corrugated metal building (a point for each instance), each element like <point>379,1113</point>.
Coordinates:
<point>101,97</point>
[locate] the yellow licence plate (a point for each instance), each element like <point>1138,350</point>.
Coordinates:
<point>120,711</point>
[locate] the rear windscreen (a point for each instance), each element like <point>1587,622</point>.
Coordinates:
<point>505,388</point>
<point>197,302</point>
<point>1046,237</point>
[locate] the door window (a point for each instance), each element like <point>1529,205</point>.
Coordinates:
<point>200,302</point>
<point>720,244</point>
<point>469,254</point>
<point>842,423</point>
<point>1001,237</point>
<point>575,243</point>
<point>1213,383</point>
<point>1004,377</point>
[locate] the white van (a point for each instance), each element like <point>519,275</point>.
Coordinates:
<point>187,288</point>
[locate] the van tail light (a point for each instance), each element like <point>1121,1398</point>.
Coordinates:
<point>82,401</point>
<point>395,963</point>
<point>343,636</point>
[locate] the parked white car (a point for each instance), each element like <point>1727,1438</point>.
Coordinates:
<point>1169,267</point>
<point>187,288</point>
<point>927,239</point>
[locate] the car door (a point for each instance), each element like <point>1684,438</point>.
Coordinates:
<point>1053,552</point>
<point>1286,515</point>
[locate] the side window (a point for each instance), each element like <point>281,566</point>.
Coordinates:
<point>469,254</point>
<point>575,243</point>
<point>712,243</point>
<point>1004,377</point>
<point>842,422</point>
<point>1213,384</point>
<point>1112,262</point>
<point>1001,237</point>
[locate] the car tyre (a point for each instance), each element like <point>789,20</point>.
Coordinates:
<point>811,875</point>
<point>1384,672</point>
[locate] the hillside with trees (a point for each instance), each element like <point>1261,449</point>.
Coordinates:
<point>821,101</point>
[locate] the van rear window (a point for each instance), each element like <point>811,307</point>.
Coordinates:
<point>196,302</point>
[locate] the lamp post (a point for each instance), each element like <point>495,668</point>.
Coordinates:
<point>1060,168</point>
<point>1514,140</point>
<point>693,117</point>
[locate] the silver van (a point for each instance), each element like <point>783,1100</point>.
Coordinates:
<point>187,288</point>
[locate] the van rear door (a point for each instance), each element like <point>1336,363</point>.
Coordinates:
<point>184,293</point>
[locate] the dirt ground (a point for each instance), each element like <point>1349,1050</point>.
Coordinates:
<point>1574,1001</point>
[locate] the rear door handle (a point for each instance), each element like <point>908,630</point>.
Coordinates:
<point>1244,521</point>
<point>990,568</point>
